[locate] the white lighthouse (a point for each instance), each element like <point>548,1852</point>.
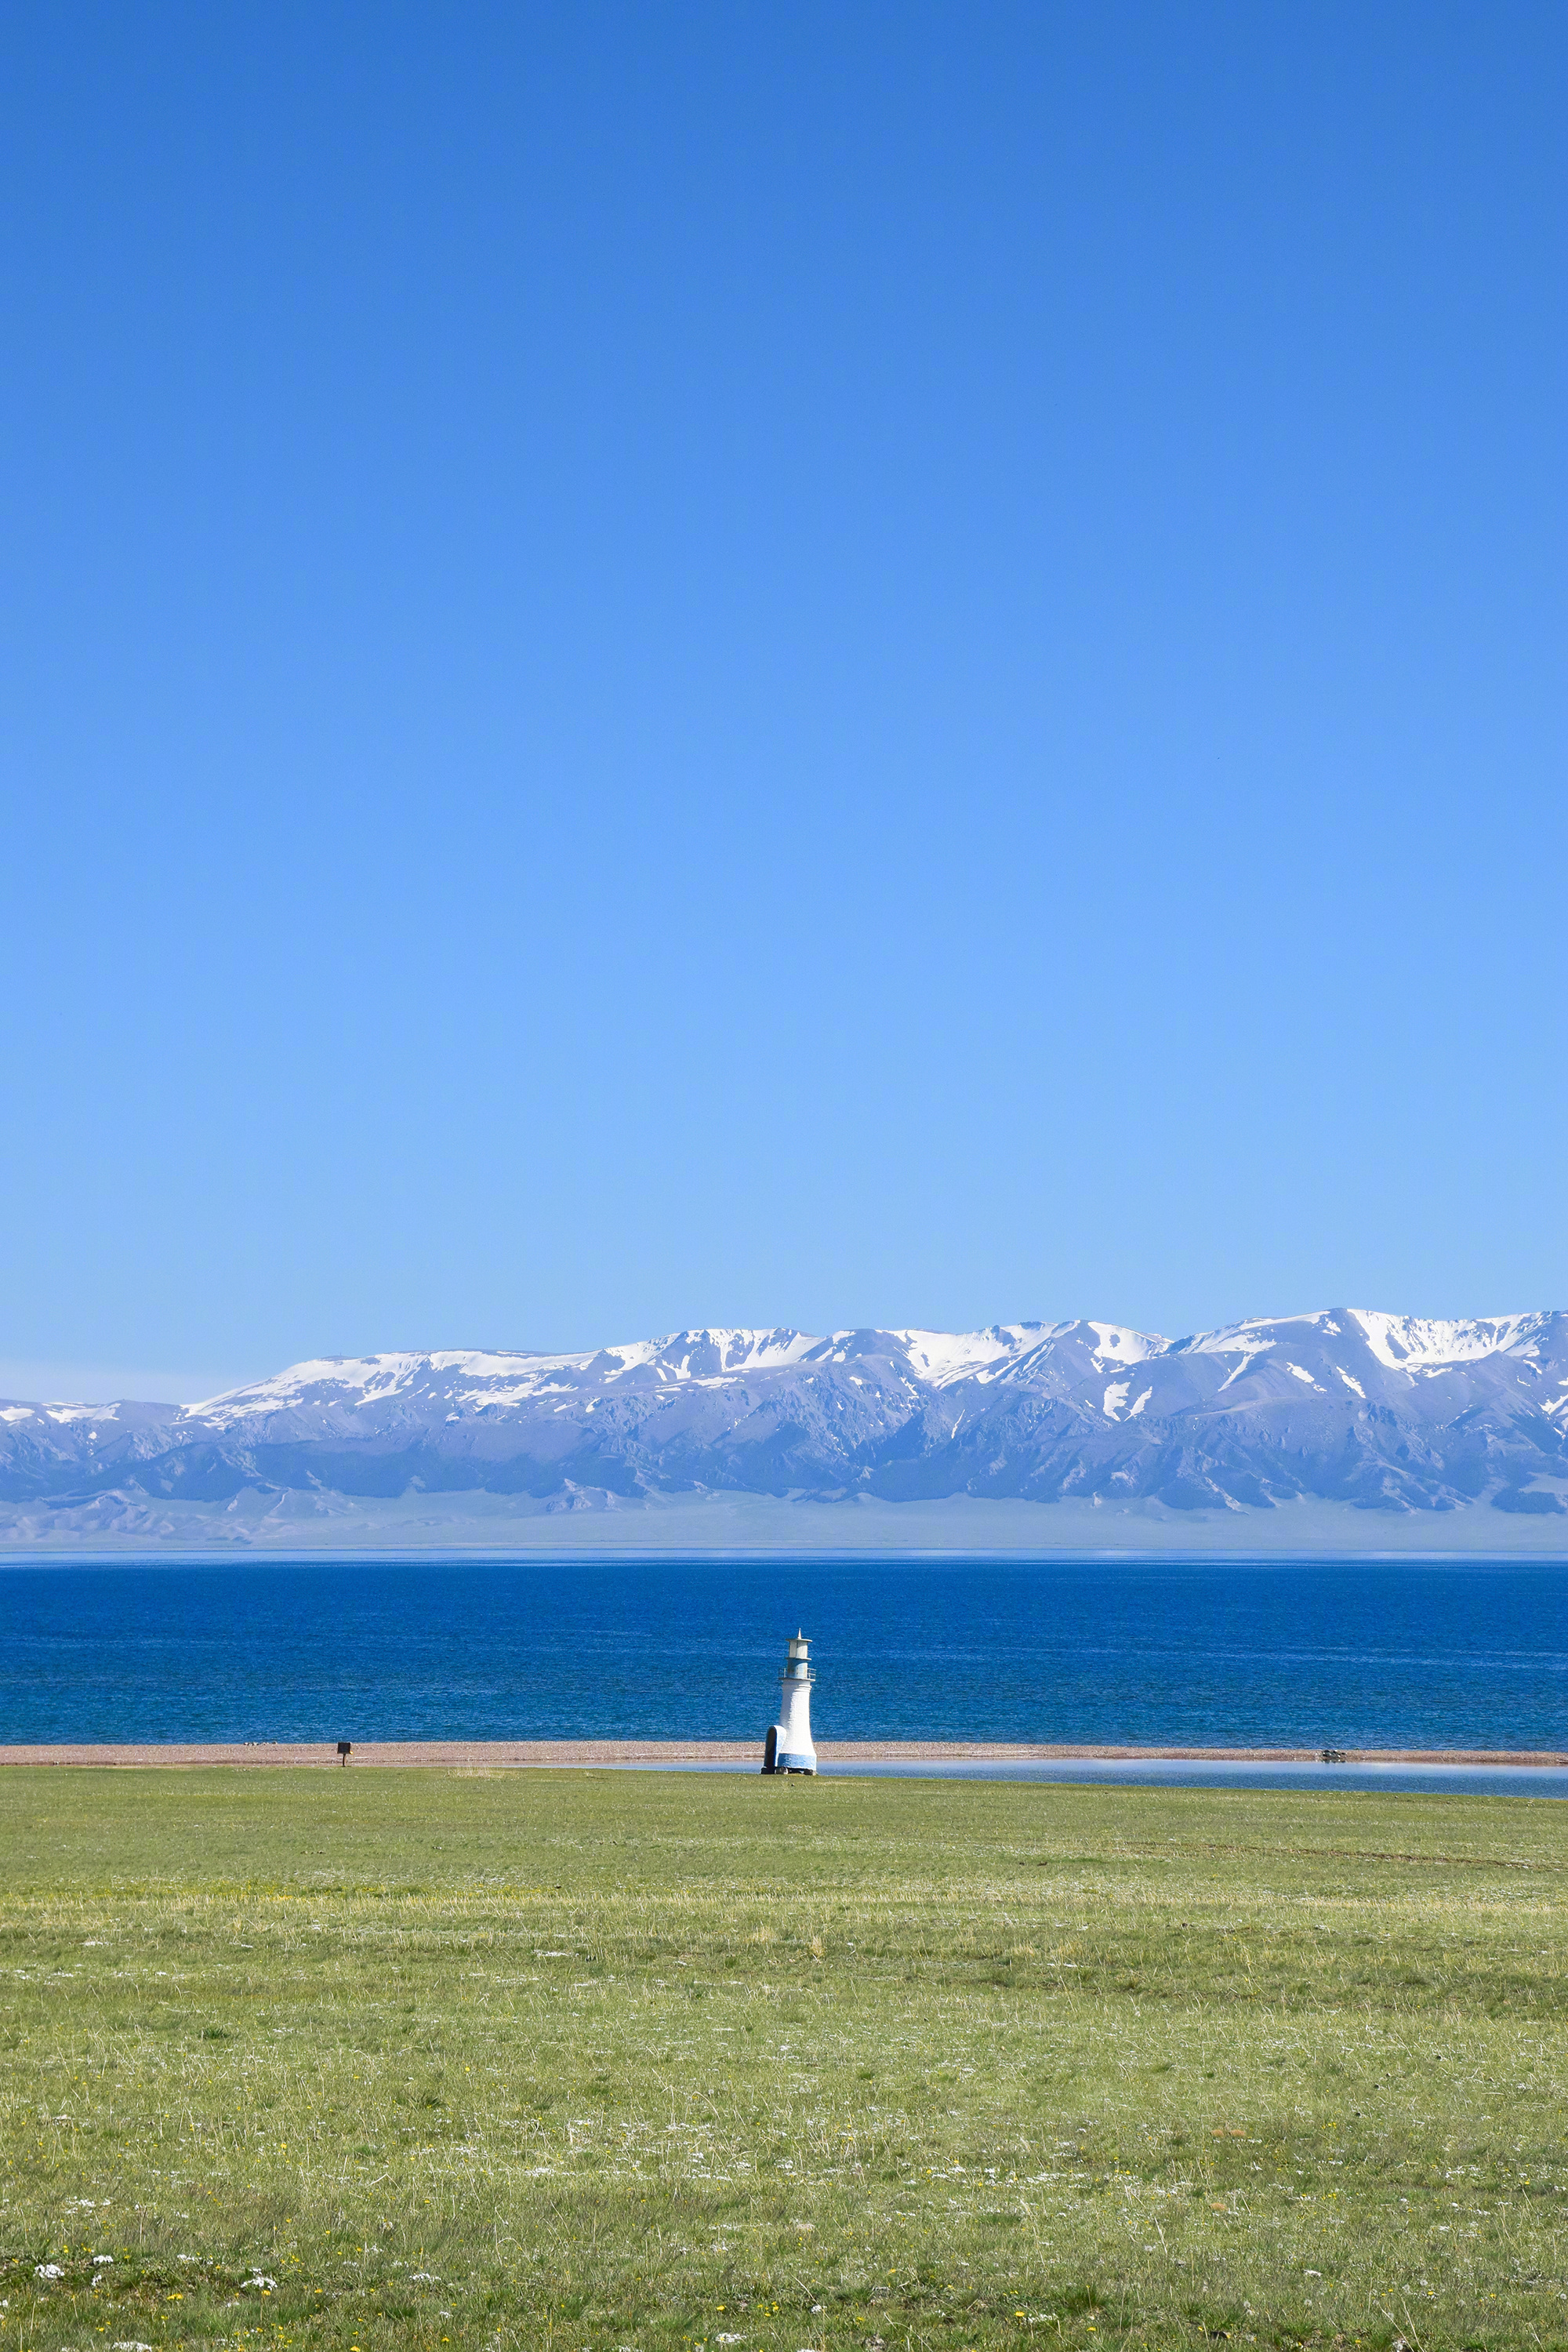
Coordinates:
<point>788,1746</point>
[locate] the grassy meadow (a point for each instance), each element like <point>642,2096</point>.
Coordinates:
<point>373,2059</point>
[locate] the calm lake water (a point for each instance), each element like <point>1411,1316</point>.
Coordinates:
<point>1304,1655</point>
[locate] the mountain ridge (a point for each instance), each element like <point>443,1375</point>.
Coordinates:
<point>1386,1414</point>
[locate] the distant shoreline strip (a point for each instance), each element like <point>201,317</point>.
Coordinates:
<point>578,1755</point>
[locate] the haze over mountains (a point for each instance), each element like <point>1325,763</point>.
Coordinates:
<point>1386,1414</point>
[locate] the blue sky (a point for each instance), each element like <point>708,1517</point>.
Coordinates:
<point>734,664</point>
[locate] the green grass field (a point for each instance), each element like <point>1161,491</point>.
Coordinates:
<point>370,2059</point>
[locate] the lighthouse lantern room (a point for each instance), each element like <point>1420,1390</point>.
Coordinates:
<point>788,1746</point>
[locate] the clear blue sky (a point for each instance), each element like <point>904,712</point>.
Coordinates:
<point>669,664</point>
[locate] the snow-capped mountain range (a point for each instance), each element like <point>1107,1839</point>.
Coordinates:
<point>1386,1412</point>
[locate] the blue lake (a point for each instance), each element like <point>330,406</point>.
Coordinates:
<point>1354,1655</point>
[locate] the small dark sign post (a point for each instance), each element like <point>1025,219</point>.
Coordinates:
<point>345,1749</point>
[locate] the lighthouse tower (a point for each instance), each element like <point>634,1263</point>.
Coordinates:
<point>788,1746</point>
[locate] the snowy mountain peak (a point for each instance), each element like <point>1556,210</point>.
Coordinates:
<point>1401,1343</point>
<point>1411,1342</point>
<point>350,1380</point>
<point>1386,1411</point>
<point>1115,1344</point>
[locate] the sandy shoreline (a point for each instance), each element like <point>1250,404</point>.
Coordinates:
<point>514,1755</point>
